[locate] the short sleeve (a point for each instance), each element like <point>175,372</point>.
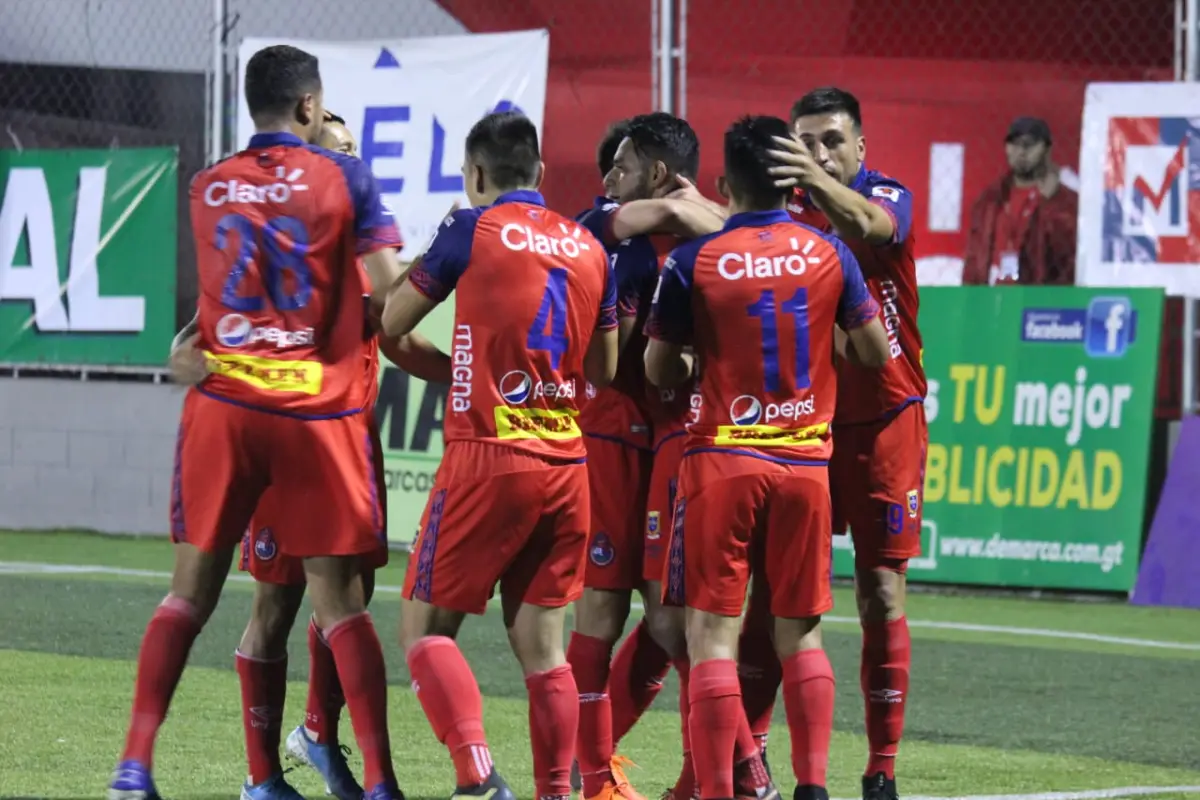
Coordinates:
<point>440,267</point>
<point>856,307</point>
<point>607,320</point>
<point>635,264</point>
<point>598,221</point>
<point>671,317</point>
<point>374,226</point>
<point>893,198</point>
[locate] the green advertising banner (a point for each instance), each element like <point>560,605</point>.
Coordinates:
<point>1040,407</point>
<point>87,256</point>
<point>410,414</point>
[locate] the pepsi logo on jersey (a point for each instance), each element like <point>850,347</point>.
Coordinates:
<point>747,409</point>
<point>517,387</point>
<point>235,330</point>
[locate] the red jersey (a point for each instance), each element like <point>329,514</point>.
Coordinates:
<point>619,411</point>
<point>279,228</point>
<point>758,301</point>
<point>532,287</point>
<point>891,274</point>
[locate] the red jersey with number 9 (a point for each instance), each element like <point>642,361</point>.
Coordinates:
<point>282,322</point>
<point>531,288</point>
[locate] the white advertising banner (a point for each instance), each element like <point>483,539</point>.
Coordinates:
<point>1139,197</point>
<point>410,104</point>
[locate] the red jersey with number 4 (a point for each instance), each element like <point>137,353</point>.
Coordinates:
<point>279,228</point>
<point>531,288</point>
<point>890,270</point>
<point>758,301</point>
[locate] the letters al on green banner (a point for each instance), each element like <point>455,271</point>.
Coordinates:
<point>1040,403</point>
<point>87,256</point>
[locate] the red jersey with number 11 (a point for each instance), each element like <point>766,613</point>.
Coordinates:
<point>279,228</point>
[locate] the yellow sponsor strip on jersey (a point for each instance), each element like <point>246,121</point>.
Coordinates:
<point>536,423</point>
<point>270,374</point>
<point>771,436</point>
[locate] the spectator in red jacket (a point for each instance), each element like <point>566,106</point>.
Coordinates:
<point>1023,225</point>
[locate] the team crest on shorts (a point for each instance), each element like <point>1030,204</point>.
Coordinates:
<point>652,525</point>
<point>914,503</point>
<point>601,551</point>
<point>264,545</point>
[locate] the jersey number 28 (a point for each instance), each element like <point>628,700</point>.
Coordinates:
<point>765,310</point>
<point>285,242</point>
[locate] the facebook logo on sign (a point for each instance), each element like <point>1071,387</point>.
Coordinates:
<point>1109,327</point>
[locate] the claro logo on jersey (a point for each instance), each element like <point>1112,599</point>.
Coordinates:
<point>749,410</point>
<point>517,388</point>
<point>220,193</point>
<point>738,266</point>
<point>234,330</point>
<point>523,238</point>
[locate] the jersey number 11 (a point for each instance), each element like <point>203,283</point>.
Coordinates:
<point>765,310</point>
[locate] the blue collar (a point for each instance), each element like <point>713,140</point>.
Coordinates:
<point>528,196</point>
<point>601,201</point>
<point>260,141</point>
<point>860,179</point>
<point>757,219</point>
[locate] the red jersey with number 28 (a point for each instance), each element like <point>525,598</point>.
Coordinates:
<point>891,273</point>
<point>279,228</point>
<point>758,301</point>
<point>531,288</point>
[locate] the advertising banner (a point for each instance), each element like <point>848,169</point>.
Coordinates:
<point>1040,406</point>
<point>1139,167</point>
<point>87,256</point>
<point>410,104</point>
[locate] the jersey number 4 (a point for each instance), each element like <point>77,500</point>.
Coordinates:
<point>765,310</point>
<point>285,243</point>
<point>548,332</point>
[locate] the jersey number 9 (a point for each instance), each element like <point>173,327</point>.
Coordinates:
<point>285,243</point>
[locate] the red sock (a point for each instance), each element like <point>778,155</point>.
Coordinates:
<point>264,687</point>
<point>808,692</point>
<point>637,676</point>
<point>886,656</point>
<point>716,707</point>
<point>749,773</point>
<point>760,674</point>
<point>589,657</point>
<point>363,675</point>
<point>553,725</point>
<point>685,786</point>
<point>165,647</point>
<point>325,698</point>
<point>450,696</point>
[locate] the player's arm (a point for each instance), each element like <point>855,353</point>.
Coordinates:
<point>669,327</point>
<point>634,267</point>
<point>604,349</point>
<point>432,276</point>
<point>685,213</point>
<point>417,356</point>
<point>186,362</point>
<point>884,218</point>
<point>377,240</point>
<point>858,315</point>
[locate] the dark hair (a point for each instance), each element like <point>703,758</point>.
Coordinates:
<point>747,161</point>
<point>277,77</point>
<point>505,144</point>
<point>607,149</point>
<point>662,137</point>
<point>828,100</point>
<point>334,118</point>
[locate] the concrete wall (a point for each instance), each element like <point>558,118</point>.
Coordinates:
<point>93,455</point>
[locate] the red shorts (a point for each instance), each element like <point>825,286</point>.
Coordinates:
<point>664,478</point>
<point>877,476</point>
<point>738,513</point>
<point>498,515</point>
<point>618,481</point>
<point>261,556</point>
<point>226,456</point>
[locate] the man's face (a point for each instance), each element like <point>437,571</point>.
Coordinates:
<point>630,177</point>
<point>834,143</point>
<point>335,137</point>
<point>1026,156</point>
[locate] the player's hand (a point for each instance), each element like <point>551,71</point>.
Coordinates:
<point>187,364</point>
<point>795,164</point>
<point>688,191</point>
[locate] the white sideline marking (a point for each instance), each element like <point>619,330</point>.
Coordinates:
<point>34,568</point>
<point>1093,794</point>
